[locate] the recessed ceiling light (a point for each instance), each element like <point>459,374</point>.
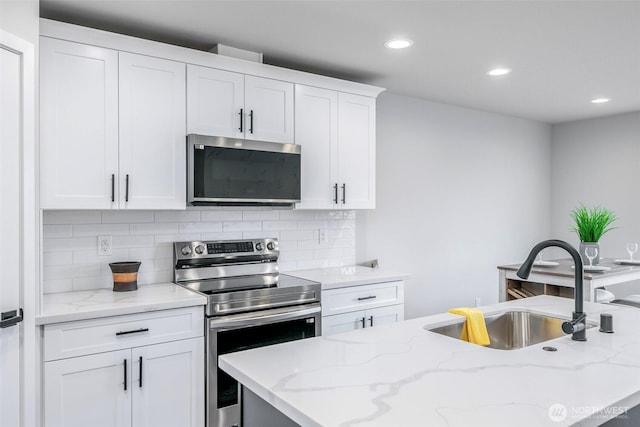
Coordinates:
<point>600,100</point>
<point>398,43</point>
<point>499,71</point>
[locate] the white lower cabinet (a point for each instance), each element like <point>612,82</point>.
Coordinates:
<point>139,385</point>
<point>364,306</point>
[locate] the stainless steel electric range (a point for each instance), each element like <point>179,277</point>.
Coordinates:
<point>249,305</point>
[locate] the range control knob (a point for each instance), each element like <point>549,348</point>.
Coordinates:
<point>271,246</point>
<point>259,246</point>
<point>186,250</point>
<point>200,249</point>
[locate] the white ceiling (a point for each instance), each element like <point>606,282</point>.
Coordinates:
<point>563,53</point>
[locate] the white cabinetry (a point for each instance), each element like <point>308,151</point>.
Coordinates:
<point>224,103</point>
<point>78,125</point>
<point>112,129</point>
<point>152,133</point>
<point>363,306</point>
<point>337,134</point>
<point>134,370</point>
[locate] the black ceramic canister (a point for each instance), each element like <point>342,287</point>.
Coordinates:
<point>125,275</point>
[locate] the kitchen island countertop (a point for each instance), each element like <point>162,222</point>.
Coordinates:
<point>402,375</point>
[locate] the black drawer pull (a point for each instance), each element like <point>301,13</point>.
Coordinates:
<point>365,298</point>
<point>135,331</point>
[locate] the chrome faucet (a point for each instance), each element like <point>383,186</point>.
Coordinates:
<point>577,327</point>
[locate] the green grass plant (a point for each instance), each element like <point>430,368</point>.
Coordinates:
<point>592,223</point>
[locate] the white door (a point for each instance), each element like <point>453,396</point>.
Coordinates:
<point>316,132</point>
<point>357,151</point>
<point>215,102</point>
<point>152,133</point>
<point>92,390</point>
<point>268,109</point>
<point>384,315</point>
<point>168,386</point>
<point>78,126</point>
<point>16,228</point>
<point>343,322</point>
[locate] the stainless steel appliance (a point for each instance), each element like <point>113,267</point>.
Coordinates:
<point>241,172</point>
<point>249,305</point>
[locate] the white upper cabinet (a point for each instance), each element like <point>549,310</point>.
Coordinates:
<point>269,105</point>
<point>152,133</point>
<point>78,125</point>
<point>337,135</point>
<point>215,102</point>
<point>112,129</point>
<point>224,103</point>
<point>317,134</point>
<point>357,151</point>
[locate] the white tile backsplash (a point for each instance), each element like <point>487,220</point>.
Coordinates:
<point>70,244</point>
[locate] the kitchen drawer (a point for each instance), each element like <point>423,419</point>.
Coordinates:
<point>352,298</point>
<point>70,339</point>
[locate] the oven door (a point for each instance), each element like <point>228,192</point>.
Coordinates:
<point>245,331</point>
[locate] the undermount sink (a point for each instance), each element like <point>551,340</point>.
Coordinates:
<point>512,330</point>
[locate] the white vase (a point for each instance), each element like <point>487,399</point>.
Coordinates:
<point>585,259</point>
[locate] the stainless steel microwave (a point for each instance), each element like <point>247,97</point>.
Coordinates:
<point>229,171</point>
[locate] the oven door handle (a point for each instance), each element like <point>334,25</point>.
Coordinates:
<point>252,319</point>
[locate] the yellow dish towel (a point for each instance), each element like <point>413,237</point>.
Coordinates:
<point>474,329</point>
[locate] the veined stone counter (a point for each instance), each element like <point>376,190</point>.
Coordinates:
<point>403,375</point>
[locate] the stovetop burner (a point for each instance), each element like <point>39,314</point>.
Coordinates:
<point>238,276</point>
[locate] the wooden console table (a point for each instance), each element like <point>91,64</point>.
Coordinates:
<point>559,280</point>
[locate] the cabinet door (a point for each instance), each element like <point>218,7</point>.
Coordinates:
<point>78,125</point>
<point>88,391</point>
<point>357,150</point>
<point>384,315</point>
<point>215,102</point>
<point>152,133</point>
<point>168,384</point>
<point>317,132</point>
<point>268,109</point>
<point>343,322</point>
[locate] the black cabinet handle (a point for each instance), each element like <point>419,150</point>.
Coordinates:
<point>363,322</point>
<point>250,121</point>
<point>335,193</point>
<point>344,193</point>
<point>135,331</point>
<point>125,374</point>
<point>126,189</point>
<point>10,318</point>
<point>113,187</point>
<point>241,119</point>
<point>371,321</point>
<point>365,298</point>
<point>140,368</point>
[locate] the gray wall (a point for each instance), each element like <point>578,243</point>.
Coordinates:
<point>596,162</point>
<point>20,18</point>
<point>459,192</point>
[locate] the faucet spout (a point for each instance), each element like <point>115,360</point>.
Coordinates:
<point>577,327</point>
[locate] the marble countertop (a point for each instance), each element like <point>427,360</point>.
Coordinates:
<point>80,305</point>
<point>340,277</point>
<point>402,375</point>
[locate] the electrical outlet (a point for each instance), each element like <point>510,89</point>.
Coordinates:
<point>323,235</point>
<point>104,245</point>
<point>478,301</point>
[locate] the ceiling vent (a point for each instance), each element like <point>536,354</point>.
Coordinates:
<point>233,52</point>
